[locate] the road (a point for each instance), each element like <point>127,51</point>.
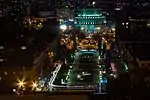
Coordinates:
<point>85,69</point>
<point>90,69</point>
<point>84,73</point>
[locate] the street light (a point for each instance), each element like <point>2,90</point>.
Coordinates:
<point>63,27</point>
<point>34,85</point>
<point>93,2</point>
<point>21,83</point>
<point>82,28</point>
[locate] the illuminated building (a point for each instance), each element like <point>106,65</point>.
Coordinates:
<point>65,16</point>
<point>89,20</point>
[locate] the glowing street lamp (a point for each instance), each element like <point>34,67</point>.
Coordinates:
<point>63,27</point>
<point>93,2</point>
<point>34,85</point>
<point>21,83</point>
<point>82,28</point>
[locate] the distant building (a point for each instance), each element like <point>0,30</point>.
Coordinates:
<point>4,8</point>
<point>132,19</point>
<point>14,10</point>
<point>89,19</point>
<point>65,4</point>
<point>65,17</point>
<point>41,5</point>
<point>65,13</point>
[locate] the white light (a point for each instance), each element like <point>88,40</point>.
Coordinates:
<point>63,27</point>
<point>115,76</point>
<point>34,85</point>
<point>105,21</point>
<point>113,29</point>
<point>111,74</point>
<point>99,57</point>
<point>83,73</point>
<point>70,66</point>
<point>23,47</point>
<point>1,47</point>
<point>100,73</point>
<point>92,50</point>
<point>71,20</point>
<point>14,90</point>
<point>117,8</point>
<point>93,2</point>
<point>65,61</point>
<point>60,20</point>
<point>89,36</point>
<point>104,72</point>
<point>84,50</point>
<point>78,76</point>
<point>82,28</point>
<point>98,28</point>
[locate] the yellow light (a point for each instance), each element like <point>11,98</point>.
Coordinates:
<point>21,83</point>
<point>34,85</point>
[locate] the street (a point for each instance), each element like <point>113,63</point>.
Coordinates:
<point>90,70</point>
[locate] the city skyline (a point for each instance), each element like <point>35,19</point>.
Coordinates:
<point>74,46</point>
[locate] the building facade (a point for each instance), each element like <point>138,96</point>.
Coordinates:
<point>89,20</point>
